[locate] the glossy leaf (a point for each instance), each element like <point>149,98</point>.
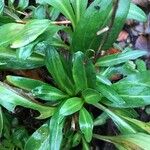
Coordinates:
<point>71,106</point>
<point>56,133</point>
<point>121,124</point>
<point>65,8</point>
<point>103,79</point>
<point>1,121</point>
<point>13,29</point>
<point>91,96</point>
<point>90,74</point>
<point>101,119</point>
<point>85,35</point>
<point>26,51</point>
<point>30,32</point>
<point>129,141</point>
<point>39,140</point>
<point>9,60</point>
<point>10,98</point>
<point>141,65</point>
<point>79,72</point>
<point>49,93</point>
<point>86,124</point>
<point>76,139</point>
<point>57,70</point>
<point>23,4</point>
<point>141,125</point>
<point>134,94</point>
<point>115,59</point>
<point>25,83</point>
<point>2,4</point>
<point>110,94</point>
<point>79,8</point>
<point>118,23</point>
<point>136,13</point>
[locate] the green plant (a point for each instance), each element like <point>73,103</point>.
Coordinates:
<point>81,75</point>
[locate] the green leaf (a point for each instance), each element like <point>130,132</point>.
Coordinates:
<point>136,13</point>
<point>30,32</point>
<point>57,70</point>
<point>121,124</point>
<point>9,98</point>
<point>103,79</point>
<point>141,125</point>
<point>76,139</point>
<point>26,51</point>
<point>2,4</point>
<point>101,119</point>
<point>85,145</point>
<point>86,124</point>
<point>134,94</point>
<point>85,35</point>
<point>65,8</point>
<point>79,8</point>
<point>56,133</point>
<point>9,60</point>
<point>79,73</point>
<point>115,59</point>
<point>39,140</point>
<point>90,74</point>
<point>128,142</point>
<point>119,21</point>
<point>71,106</point>
<point>25,83</point>
<point>1,121</point>
<point>109,93</point>
<point>91,96</point>
<point>13,29</point>
<point>23,4</point>
<point>49,93</point>
<point>141,65</point>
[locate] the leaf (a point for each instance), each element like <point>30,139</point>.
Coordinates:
<point>136,13</point>
<point>79,72</point>
<point>90,74</point>
<point>71,106</point>
<point>25,83</point>
<point>76,139</point>
<point>49,93</point>
<point>57,70</point>
<point>13,29</point>
<point>39,140</point>
<point>141,125</point>
<point>130,141</point>
<point>101,119</point>
<point>26,51</point>
<point>9,98</point>
<point>115,59</point>
<point>23,4</point>
<point>103,79</point>
<point>91,96</point>
<point>30,32</point>
<point>121,124</point>
<point>79,8</point>
<point>119,21</point>
<point>134,94</point>
<point>9,60</point>
<point>86,31</point>
<point>109,93</point>
<point>65,8</point>
<point>1,122</point>
<point>56,133</point>
<point>141,65</point>
<point>2,4</point>
<point>86,124</point>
